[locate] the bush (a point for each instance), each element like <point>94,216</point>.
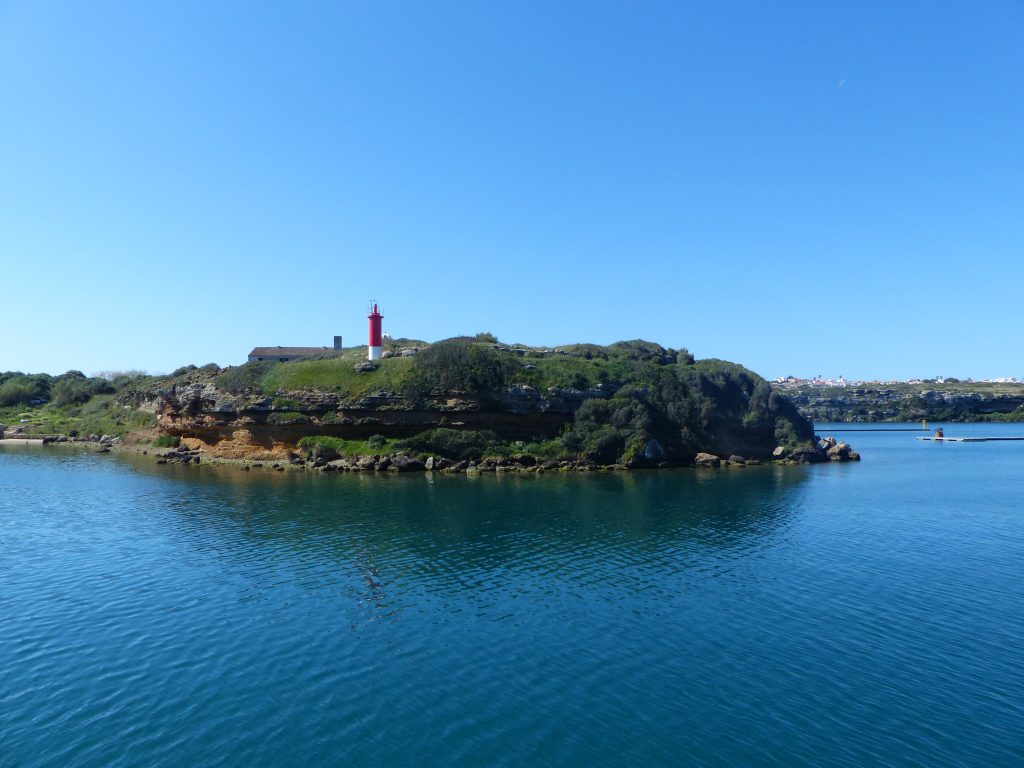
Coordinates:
<point>460,366</point>
<point>322,447</point>
<point>17,392</point>
<point>118,380</point>
<point>167,441</point>
<point>72,391</point>
<point>603,429</point>
<point>330,448</point>
<point>490,338</point>
<point>451,443</point>
<point>245,377</point>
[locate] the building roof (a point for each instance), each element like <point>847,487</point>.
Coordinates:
<point>287,351</point>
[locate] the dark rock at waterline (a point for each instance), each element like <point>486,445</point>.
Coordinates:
<point>653,451</point>
<point>405,464</point>
<point>808,455</point>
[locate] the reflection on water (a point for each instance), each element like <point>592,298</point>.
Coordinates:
<point>786,615</point>
<point>444,526</point>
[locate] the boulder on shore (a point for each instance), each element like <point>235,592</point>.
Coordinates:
<point>809,454</point>
<point>401,463</point>
<point>838,452</point>
<point>707,460</point>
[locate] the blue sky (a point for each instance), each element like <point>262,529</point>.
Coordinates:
<point>803,187</point>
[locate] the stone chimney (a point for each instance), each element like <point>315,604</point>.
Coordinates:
<point>337,343</point>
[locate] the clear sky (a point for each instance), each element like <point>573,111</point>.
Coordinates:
<point>804,188</point>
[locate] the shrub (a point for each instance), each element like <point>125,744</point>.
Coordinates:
<point>167,441</point>
<point>72,391</point>
<point>240,378</point>
<point>330,448</point>
<point>17,392</point>
<point>487,336</point>
<point>118,380</point>
<point>322,447</point>
<point>451,443</point>
<point>460,366</point>
<point>376,441</point>
<point>603,429</point>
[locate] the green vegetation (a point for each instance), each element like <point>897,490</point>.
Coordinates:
<point>643,403</point>
<point>1013,416</point>
<point>957,401</point>
<point>710,405</point>
<point>453,443</point>
<point>167,441</point>
<point>328,374</point>
<point>329,448</point>
<point>71,402</point>
<point>632,402</point>
<point>101,415</point>
<point>460,366</point>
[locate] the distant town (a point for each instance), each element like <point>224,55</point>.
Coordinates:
<point>818,381</point>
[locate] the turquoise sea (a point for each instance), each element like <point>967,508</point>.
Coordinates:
<point>838,615</point>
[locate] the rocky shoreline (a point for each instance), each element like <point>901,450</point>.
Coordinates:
<point>825,450</point>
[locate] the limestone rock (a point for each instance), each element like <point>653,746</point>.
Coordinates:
<point>838,452</point>
<point>706,460</point>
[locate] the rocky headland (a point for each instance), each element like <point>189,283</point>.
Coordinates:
<point>467,405</point>
<point>459,405</point>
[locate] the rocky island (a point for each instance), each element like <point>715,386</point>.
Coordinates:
<point>468,403</point>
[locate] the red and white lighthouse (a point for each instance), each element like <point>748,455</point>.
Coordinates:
<point>375,318</point>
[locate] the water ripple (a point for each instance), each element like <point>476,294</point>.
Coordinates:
<point>780,616</point>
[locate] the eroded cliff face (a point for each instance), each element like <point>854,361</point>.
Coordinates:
<point>250,425</point>
<point>867,404</point>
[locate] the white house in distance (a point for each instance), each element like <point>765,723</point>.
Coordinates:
<point>284,354</point>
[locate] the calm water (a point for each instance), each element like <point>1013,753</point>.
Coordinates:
<point>868,614</point>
